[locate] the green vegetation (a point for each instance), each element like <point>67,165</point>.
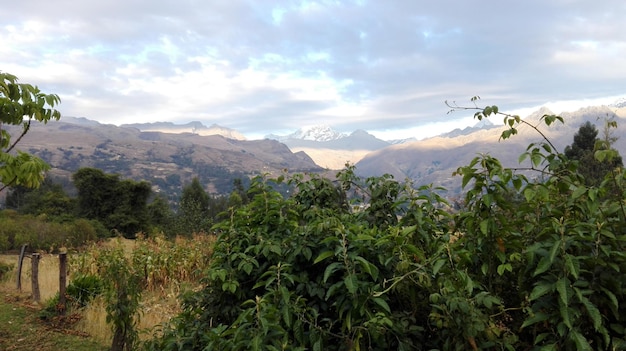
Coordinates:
<point>583,149</point>
<point>21,330</point>
<point>404,272</point>
<point>118,204</point>
<point>20,104</point>
<point>533,259</point>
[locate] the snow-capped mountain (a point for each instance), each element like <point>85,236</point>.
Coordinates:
<point>314,133</point>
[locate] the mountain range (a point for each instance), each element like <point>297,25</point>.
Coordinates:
<point>170,156</point>
<point>166,160</point>
<point>434,160</point>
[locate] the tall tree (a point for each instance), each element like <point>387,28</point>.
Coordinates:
<point>20,104</point>
<point>119,204</point>
<point>583,148</point>
<point>193,212</point>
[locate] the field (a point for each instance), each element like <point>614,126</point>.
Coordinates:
<point>168,268</point>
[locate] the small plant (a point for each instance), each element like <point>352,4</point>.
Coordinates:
<point>5,268</point>
<point>79,293</point>
<point>83,289</point>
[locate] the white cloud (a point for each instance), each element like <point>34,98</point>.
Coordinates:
<point>385,67</point>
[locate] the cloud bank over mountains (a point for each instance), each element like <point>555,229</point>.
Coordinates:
<point>275,66</point>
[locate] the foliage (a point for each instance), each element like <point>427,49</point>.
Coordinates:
<point>20,104</point>
<point>531,262</point>
<point>301,271</point>
<point>49,199</point>
<point>84,288</point>
<point>122,296</point>
<point>198,210</point>
<point>160,215</point>
<point>120,205</point>
<point>584,147</point>
<point>5,268</point>
<point>157,261</point>
<point>41,234</point>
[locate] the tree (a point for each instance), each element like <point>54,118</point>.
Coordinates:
<point>583,148</point>
<point>193,212</point>
<point>160,214</point>
<point>49,199</point>
<point>20,104</point>
<point>119,204</point>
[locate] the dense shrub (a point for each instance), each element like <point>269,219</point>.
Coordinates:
<point>41,234</point>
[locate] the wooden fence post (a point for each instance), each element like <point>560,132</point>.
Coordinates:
<point>62,281</point>
<point>19,267</point>
<point>34,277</point>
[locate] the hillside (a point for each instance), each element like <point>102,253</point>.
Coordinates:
<point>167,160</point>
<point>434,160</point>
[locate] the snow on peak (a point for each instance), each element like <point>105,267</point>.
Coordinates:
<point>315,133</point>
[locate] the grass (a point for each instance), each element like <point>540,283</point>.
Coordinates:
<point>48,275</point>
<point>21,329</point>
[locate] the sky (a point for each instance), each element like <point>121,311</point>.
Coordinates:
<point>270,66</point>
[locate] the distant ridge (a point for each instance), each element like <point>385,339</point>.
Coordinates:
<point>194,127</point>
<point>434,160</point>
<point>481,125</point>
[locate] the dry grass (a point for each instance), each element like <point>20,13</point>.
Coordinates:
<point>48,275</point>
<point>156,309</point>
<point>173,273</point>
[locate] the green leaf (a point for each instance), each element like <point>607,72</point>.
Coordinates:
<point>562,286</point>
<point>572,265</point>
<point>536,158</point>
<point>324,255</point>
<point>484,226</point>
<point>553,251</point>
<point>517,183</point>
<point>592,310</point>
<point>382,303</point>
<point>541,289</point>
<point>564,310</point>
<point>544,265</point>
<point>536,318</point>
<point>437,266</point>
<point>579,191</point>
<point>371,269</point>
<point>351,282</point>
<point>613,298</point>
<point>331,269</point>
<point>529,194</point>
<point>504,267</point>
<point>522,157</point>
<point>581,342</point>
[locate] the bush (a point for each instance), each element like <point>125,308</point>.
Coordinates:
<point>41,234</point>
<point>5,269</point>
<point>83,289</point>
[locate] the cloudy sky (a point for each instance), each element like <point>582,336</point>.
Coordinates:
<point>270,66</point>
